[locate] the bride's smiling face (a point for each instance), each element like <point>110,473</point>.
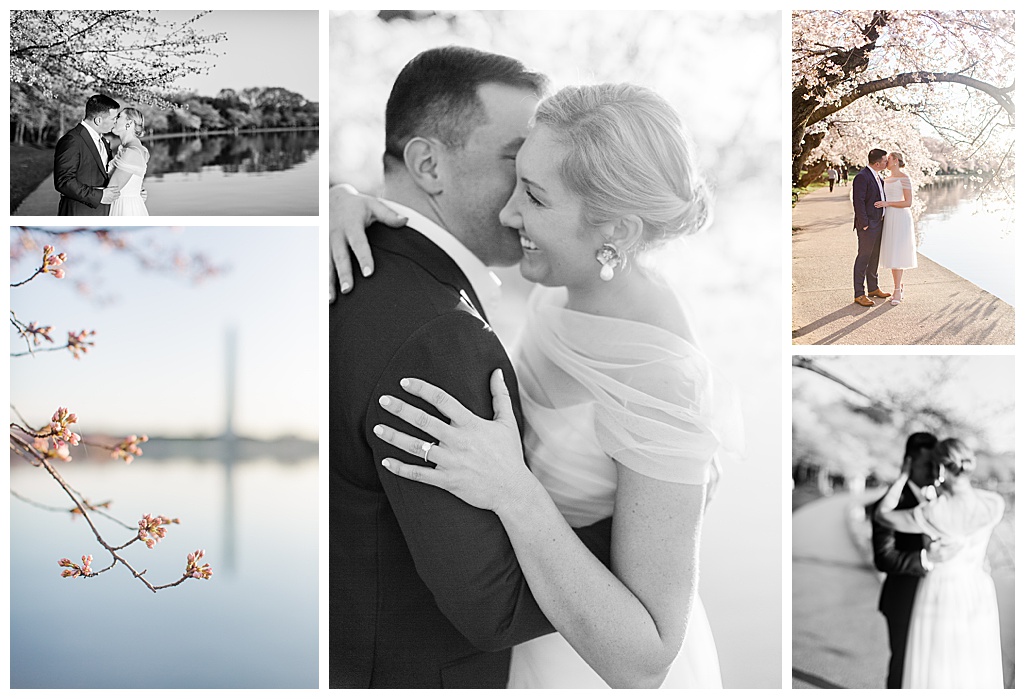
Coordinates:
<point>559,246</point>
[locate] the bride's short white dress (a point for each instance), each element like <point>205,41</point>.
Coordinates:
<point>132,159</point>
<point>597,390</point>
<point>897,248</point>
<point>954,636</point>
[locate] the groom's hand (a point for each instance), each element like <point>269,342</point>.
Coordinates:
<point>142,193</point>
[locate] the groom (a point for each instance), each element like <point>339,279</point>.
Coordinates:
<point>80,162</point>
<point>868,222</point>
<point>904,557</point>
<point>425,590</point>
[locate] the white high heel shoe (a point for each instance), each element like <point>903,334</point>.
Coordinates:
<point>898,296</point>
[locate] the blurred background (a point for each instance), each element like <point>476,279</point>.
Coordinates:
<point>206,341</point>
<point>230,101</point>
<point>851,418</point>
<point>721,71</point>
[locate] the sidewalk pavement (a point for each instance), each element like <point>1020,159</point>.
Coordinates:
<point>839,637</point>
<point>941,308</point>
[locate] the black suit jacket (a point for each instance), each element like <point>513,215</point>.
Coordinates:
<point>865,193</point>
<point>899,555</point>
<point>425,590</point>
<point>79,175</point>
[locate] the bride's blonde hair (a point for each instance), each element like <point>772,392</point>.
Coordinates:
<point>899,156</point>
<point>628,155</point>
<point>138,121</point>
<point>955,457</point>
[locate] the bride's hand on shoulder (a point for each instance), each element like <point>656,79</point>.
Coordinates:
<point>349,215</point>
<point>479,461</point>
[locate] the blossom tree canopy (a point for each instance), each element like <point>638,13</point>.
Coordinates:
<point>936,85</point>
<point>131,53</point>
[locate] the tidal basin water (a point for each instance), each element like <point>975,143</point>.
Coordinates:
<point>254,624</point>
<point>971,237</point>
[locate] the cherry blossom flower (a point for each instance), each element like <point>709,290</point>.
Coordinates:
<point>73,570</point>
<point>52,262</point>
<point>78,344</point>
<point>128,448</point>
<point>37,333</point>
<point>194,570</point>
<point>60,432</point>
<point>152,528</point>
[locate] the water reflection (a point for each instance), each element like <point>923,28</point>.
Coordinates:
<point>969,234</point>
<point>243,153</point>
<point>254,624</point>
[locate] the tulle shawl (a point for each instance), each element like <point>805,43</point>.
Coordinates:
<point>657,410</point>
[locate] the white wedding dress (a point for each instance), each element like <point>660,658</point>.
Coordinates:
<point>132,159</point>
<point>595,389</point>
<point>954,635</point>
<point>897,248</point>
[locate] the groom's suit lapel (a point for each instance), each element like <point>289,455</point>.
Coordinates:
<point>87,143</point>
<point>409,243</point>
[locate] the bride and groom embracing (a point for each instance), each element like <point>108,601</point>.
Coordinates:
<point>92,179</point>
<point>930,532</point>
<point>475,507</point>
<point>885,227</point>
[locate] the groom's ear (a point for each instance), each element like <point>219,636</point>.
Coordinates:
<point>421,159</point>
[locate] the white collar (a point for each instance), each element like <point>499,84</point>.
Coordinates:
<point>92,132</point>
<point>485,283</point>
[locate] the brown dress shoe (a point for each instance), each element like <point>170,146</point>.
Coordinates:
<point>864,301</point>
<point>879,294</point>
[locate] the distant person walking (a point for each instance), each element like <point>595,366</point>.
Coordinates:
<point>832,175</point>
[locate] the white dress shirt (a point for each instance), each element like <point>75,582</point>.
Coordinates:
<point>485,283</point>
<point>96,142</point>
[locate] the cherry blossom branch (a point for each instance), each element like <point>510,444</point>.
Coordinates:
<point>151,528</point>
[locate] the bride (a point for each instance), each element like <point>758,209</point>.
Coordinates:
<point>954,634</point>
<point>128,166</point>
<point>620,408</point>
<point>897,246</point>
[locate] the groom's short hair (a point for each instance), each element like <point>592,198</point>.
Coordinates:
<point>435,95</point>
<point>875,155</point>
<point>918,442</point>
<point>99,104</point>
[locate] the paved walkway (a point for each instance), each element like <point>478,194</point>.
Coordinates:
<point>42,201</point>
<point>941,308</point>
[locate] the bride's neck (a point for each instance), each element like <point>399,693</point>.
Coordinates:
<point>615,298</point>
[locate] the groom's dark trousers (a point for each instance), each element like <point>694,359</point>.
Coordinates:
<point>425,590</point>
<point>899,555</point>
<point>868,223</point>
<point>79,175</point>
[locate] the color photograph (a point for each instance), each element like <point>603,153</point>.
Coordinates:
<point>164,458</point>
<point>902,177</point>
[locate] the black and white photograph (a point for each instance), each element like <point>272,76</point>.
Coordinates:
<point>903,522</point>
<point>130,113</point>
<point>555,349</point>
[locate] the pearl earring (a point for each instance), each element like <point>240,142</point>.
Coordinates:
<point>610,258</point>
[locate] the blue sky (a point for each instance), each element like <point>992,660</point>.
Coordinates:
<point>158,364</point>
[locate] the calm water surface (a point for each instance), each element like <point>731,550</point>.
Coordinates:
<point>254,624</point>
<point>971,237</point>
<point>258,174</point>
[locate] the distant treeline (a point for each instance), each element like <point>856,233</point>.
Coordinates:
<point>42,122</point>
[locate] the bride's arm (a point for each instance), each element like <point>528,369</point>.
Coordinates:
<point>887,514</point>
<point>628,624</point>
<point>898,203</point>
<point>349,215</point>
